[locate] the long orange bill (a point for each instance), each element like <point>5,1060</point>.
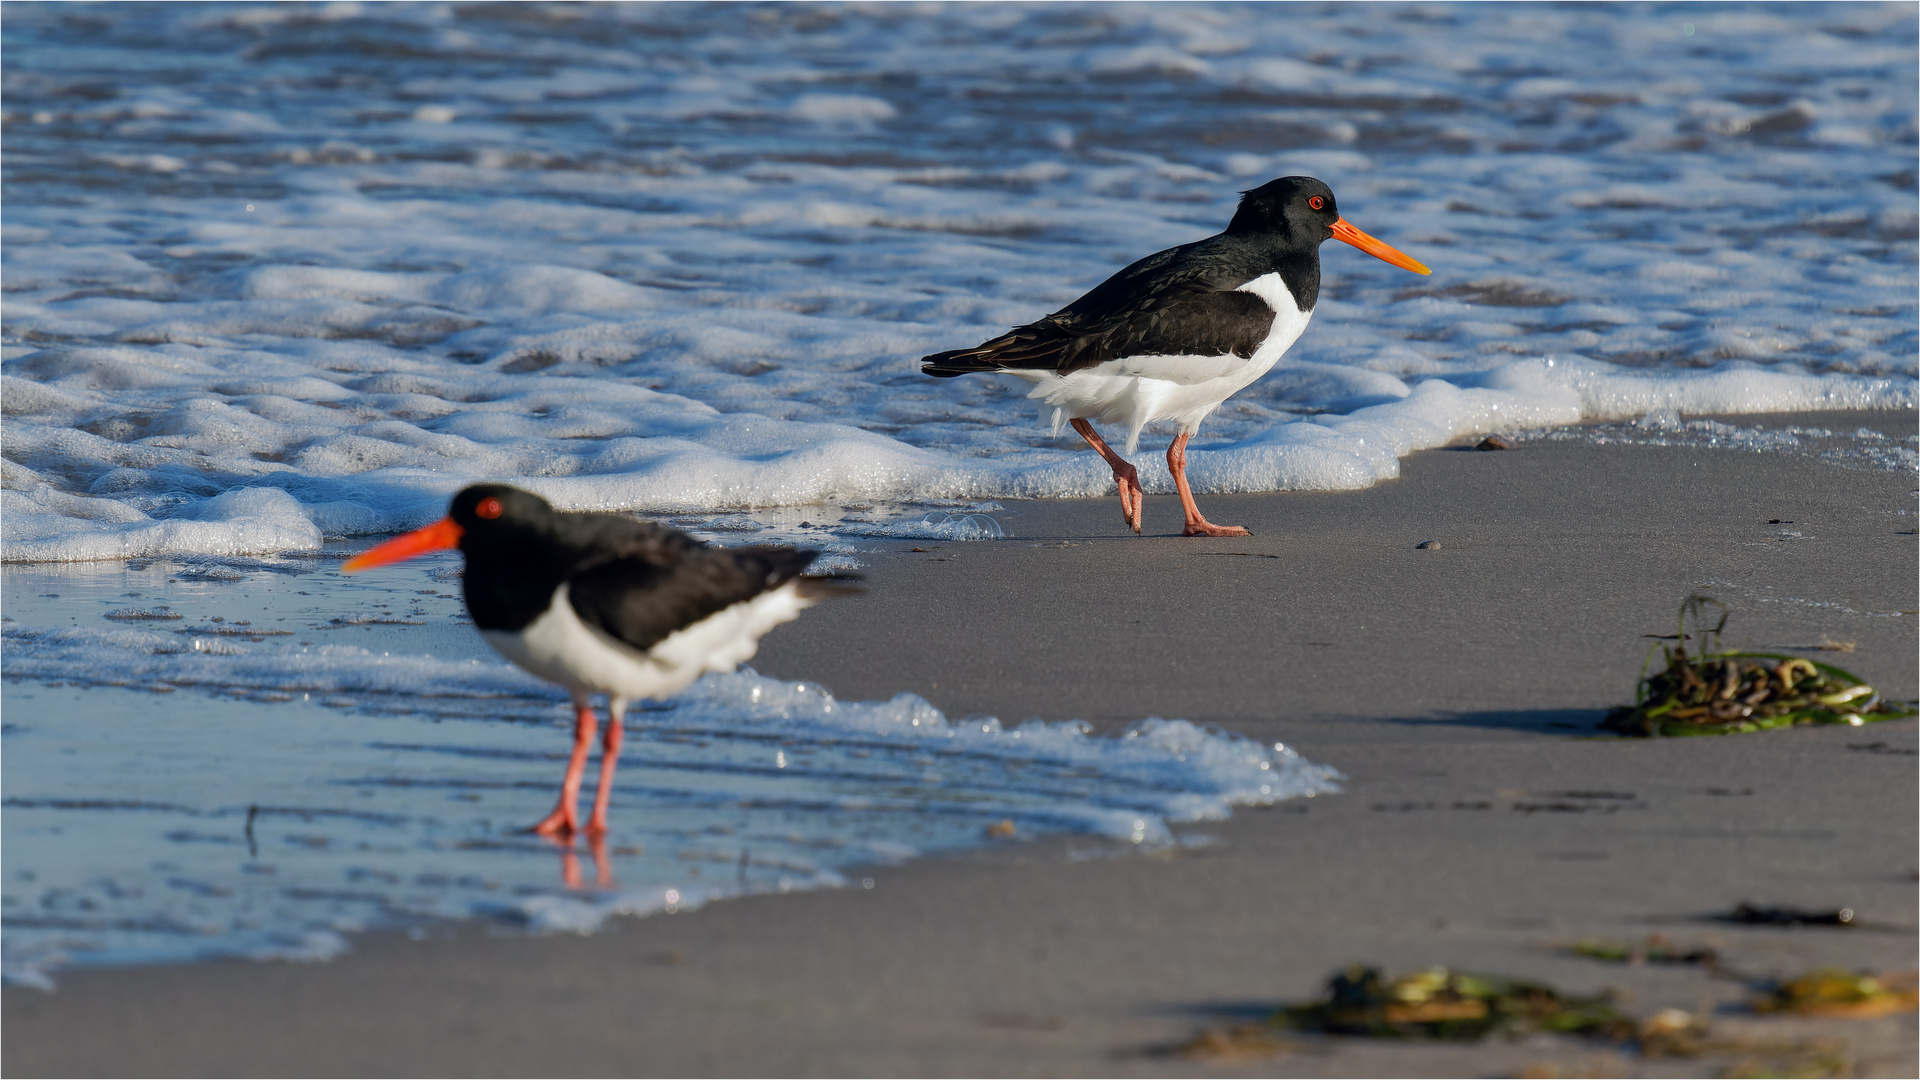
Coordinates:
<point>438,536</point>
<point>1346,232</point>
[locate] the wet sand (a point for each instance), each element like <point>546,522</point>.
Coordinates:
<point>1456,688</point>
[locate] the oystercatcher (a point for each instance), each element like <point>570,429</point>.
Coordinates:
<point>1177,333</point>
<point>603,604</point>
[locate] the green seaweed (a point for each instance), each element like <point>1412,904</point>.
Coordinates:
<point>1442,1004</point>
<point>1726,691</point>
<point>1833,992</point>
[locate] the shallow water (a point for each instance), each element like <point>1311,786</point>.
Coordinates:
<point>253,758</point>
<point>683,258</point>
<point>274,276</point>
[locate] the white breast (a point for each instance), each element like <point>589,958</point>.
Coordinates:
<point>561,649</point>
<point>1138,390</point>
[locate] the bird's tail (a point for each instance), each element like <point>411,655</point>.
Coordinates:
<point>947,365</point>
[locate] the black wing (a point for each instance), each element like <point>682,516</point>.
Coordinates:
<point>1178,302</point>
<point>640,601</point>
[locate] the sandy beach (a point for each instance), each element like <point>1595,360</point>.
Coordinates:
<point>1456,687</point>
<point>1048,797</point>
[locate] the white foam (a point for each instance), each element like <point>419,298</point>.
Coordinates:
<point>380,814</point>
<point>706,285</point>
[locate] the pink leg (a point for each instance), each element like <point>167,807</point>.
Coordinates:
<point>565,819</point>
<point>609,757</point>
<point>1197,524</point>
<point>1132,499</point>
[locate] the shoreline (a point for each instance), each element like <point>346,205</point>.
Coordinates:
<point>1841,442</point>
<point>1450,687</point>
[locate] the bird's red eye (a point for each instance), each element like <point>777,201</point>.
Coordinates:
<point>1316,202</point>
<point>489,508</point>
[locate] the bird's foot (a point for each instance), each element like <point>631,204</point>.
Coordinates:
<point>558,825</point>
<point>1203,527</point>
<point>1133,500</point>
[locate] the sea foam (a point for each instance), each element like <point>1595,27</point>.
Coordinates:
<point>263,800</point>
<point>676,272</point>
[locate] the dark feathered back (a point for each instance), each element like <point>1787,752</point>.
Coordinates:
<point>636,581</point>
<point>1178,302</point>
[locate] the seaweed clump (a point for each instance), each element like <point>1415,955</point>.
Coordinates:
<point>1721,691</point>
<point>1832,992</point>
<point>1442,1004</point>
<point>1432,1004</point>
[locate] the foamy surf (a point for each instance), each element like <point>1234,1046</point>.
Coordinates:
<point>181,787</point>
<point>678,274</point>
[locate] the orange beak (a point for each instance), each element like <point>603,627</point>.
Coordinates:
<point>438,536</point>
<point>1346,232</point>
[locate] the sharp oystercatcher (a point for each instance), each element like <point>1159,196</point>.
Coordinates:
<point>1177,333</point>
<point>603,604</point>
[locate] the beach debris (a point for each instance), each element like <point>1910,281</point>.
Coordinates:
<point>1442,1004</point>
<point>1495,442</point>
<point>1439,1004</point>
<point>1427,545</point>
<point>1723,691</point>
<point>1752,915</point>
<point>155,614</point>
<point>1657,949</point>
<point>1673,1033</point>
<point>1882,747</point>
<point>1829,644</point>
<point>1837,993</point>
<point>1431,1004</point>
<point>1002,829</point>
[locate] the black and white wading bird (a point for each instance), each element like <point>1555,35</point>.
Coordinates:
<point>604,604</point>
<point>1177,333</point>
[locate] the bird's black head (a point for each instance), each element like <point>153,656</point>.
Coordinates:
<point>492,510</point>
<point>494,517</point>
<point>493,520</point>
<point>1294,209</point>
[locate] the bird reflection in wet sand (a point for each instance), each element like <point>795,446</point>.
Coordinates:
<point>605,604</point>
<point>570,862</point>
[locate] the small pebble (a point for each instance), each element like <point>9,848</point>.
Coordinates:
<point>1495,442</point>
<point>1428,545</point>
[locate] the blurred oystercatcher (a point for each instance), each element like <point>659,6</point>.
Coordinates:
<point>603,604</point>
<point>1177,333</point>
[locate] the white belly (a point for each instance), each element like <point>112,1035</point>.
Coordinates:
<point>561,649</point>
<point>1138,390</point>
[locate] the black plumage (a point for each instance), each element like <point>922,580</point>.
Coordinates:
<point>628,587</point>
<point>1174,335</point>
<point>635,581</point>
<point>1177,302</point>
